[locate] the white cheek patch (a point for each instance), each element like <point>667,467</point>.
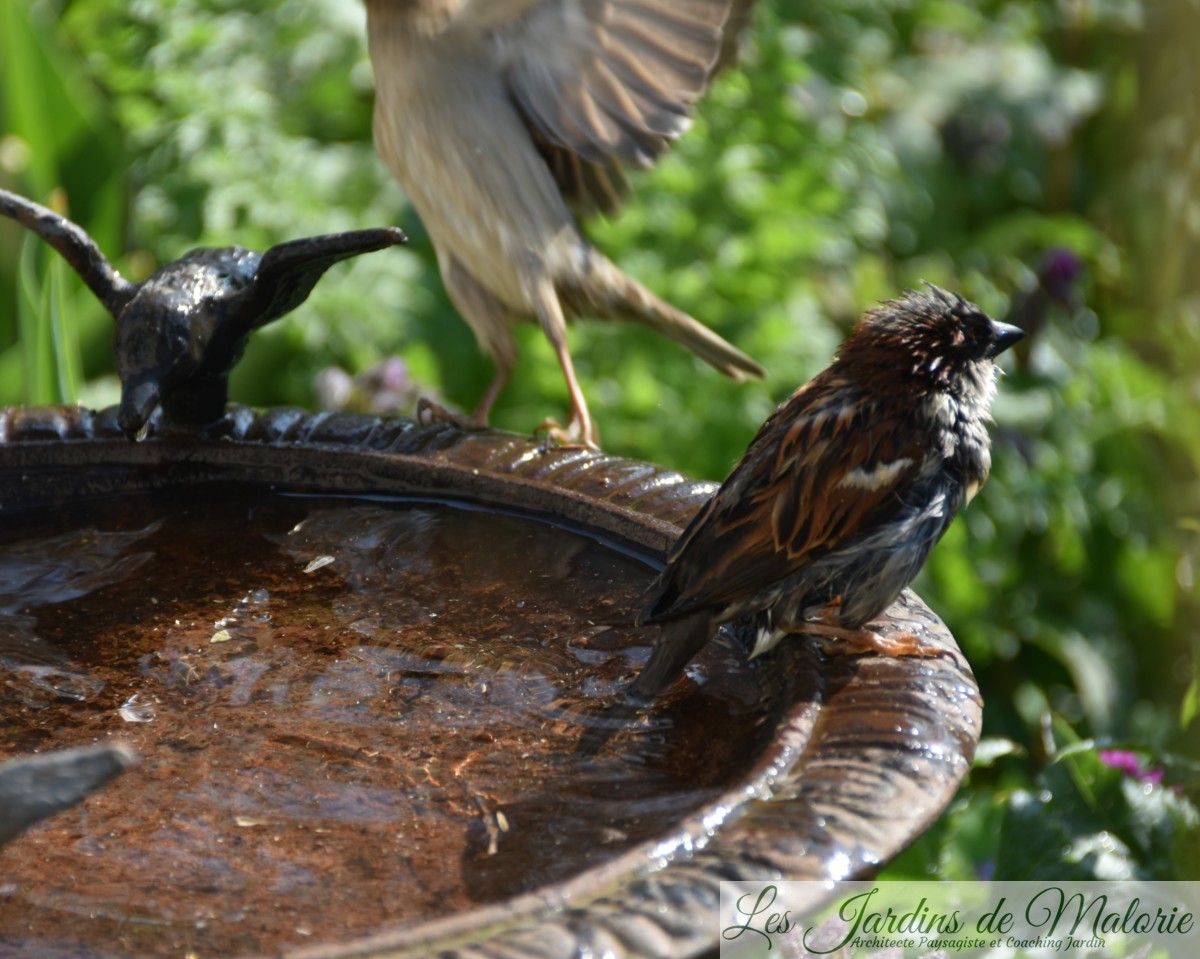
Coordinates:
<point>877,477</point>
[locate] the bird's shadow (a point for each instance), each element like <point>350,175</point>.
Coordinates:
<point>689,749</point>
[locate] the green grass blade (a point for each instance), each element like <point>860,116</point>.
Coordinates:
<point>68,360</point>
<point>33,334</point>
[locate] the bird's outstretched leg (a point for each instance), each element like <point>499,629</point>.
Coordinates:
<point>483,409</point>
<point>581,431</point>
<point>838,640</point>
<point>429,412</point>
<point>491,323</point>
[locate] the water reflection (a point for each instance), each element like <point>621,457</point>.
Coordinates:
<point>49,569</point>
<point>356,713</point>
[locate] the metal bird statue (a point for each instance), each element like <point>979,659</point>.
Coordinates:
<point>179,334</point>
<point>34,787</point>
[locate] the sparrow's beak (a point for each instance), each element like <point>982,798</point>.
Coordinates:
<point>1006,336</point>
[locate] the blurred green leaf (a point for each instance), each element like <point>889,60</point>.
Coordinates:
<point>1190,707</point>
<point>38,358</point>
<point>1089,820</point>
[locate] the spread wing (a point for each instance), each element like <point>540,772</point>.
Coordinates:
<point>607,83</point>
<point>826,466</point>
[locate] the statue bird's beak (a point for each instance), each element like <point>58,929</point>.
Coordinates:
<point>139,398</point>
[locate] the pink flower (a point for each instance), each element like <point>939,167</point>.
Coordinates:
<point>1131,765</point>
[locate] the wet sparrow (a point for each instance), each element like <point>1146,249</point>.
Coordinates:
<point>841,496</point>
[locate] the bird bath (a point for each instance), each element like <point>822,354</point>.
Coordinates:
<point>355,657</point>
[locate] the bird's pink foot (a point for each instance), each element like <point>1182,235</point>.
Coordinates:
<point>570,437</point>
<point>837,640</point>
<point>842,641</point>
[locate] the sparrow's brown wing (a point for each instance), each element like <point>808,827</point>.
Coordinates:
<point>606,83</point>
<point>825,467</point>
<point>741,13</point>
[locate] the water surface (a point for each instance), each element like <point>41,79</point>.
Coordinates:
<point>349,714</point>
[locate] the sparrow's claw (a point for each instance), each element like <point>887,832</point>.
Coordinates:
<point>844,641</point>
<point>570,437</point>
<point>429,413</point>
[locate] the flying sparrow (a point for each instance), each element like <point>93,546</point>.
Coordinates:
<point>500,117</point>
<point>839,499</point>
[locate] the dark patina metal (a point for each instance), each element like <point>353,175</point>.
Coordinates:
<point>34,787</point>
<point>179,334</point>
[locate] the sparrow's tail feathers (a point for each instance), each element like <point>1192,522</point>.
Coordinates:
<point>678,642</point>
<point>607,293</point>
<point>674,648</point>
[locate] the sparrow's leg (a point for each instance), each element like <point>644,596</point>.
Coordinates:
<point>430,412</point>
<point>580,431</point>
<point>483,409</point>
<point>491,323</point>
<point>858,641</point>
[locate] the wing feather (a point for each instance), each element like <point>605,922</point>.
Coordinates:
<point>826,465</point>
<point>607,83</point>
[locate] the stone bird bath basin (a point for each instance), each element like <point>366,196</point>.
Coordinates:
<point>354,656</point>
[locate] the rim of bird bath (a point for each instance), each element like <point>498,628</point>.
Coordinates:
<point>867,753</point>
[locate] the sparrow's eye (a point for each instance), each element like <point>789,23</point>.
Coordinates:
<point>977,330</point>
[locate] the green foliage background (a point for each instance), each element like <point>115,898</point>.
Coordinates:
<point>864,147</point>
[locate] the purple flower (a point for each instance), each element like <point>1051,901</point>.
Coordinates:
<point>1130,764</point>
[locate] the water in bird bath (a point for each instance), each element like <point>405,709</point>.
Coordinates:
<point>350,714</point>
